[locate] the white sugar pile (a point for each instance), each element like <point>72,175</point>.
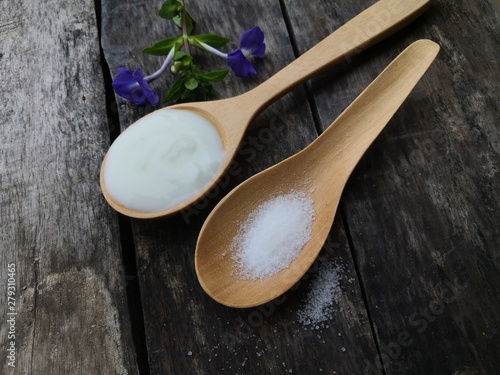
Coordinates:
<point>324,293</point>
<point>273,235</point>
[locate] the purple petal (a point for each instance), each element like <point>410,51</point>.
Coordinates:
<point>147,90</point>
<point>260,51</point>
<point>123,80</point>
<point>239,64</point>
<point>253,41</point>
<point>131,86</point>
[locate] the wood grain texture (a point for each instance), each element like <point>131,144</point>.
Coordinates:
<point>72,315</point>
<point>422,207</point>
<point>416,243</point>
<point>419,228</point>
<point>320,172</point>
<point>187,332</point>
<point>232,116</point>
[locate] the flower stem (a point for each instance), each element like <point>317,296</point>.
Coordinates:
<point>184,27</point>
<point>164,66</point>
<point>213,50</point>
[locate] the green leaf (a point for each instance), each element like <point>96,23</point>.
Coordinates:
<point>185,59</point>
<point>170,9</point>
<point>213,40</point>
<point>179,55</point>
<point>175,91</point>
<point>189,22</point>
<point>214,76</point>
<point>164,46</point>
<point>191,83</point>
<point>204,92</point>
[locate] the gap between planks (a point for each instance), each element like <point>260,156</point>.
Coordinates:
<point>129,256</point>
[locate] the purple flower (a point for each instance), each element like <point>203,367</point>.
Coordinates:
<point>132,86</point>
<point>251,44</point>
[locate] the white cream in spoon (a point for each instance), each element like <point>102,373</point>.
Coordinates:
<point>162,160</point>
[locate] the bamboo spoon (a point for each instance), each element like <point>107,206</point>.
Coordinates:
<point>321,170</point>
<point>232,116</point>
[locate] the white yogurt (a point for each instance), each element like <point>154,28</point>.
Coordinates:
<point>162,160</point>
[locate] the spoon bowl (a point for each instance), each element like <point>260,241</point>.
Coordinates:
<point>231,117</point>
<point>321,171</point>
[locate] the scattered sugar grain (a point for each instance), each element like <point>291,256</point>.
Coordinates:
<point>325,292</point>
<point>273,235</point>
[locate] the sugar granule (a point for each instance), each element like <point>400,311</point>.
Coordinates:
<point>325,291</point>
<point>273,235</point>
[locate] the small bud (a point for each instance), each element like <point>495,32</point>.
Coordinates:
<point>176,66</point>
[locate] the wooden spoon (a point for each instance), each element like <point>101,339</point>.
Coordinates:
<point>321,171</point>
<point>232,116</point>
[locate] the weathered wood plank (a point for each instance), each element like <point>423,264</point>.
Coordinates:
<point>422,207</point>
<point>55,226</point>
<point>186,331</point>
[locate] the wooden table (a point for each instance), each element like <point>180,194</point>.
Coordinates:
<point>415,244</point>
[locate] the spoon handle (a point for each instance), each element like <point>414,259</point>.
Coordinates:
<point>372,25</point>
<point>344,142</point>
